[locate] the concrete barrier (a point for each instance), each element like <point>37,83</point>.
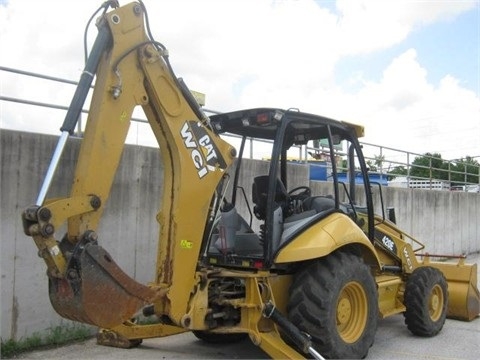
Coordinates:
<point>446,222</point>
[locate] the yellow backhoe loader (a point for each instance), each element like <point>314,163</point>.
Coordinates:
<point>301,274</point>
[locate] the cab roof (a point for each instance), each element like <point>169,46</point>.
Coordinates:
<point>262,123</point>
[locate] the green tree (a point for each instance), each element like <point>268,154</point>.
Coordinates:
<point>371,165</point>
<point>376,164</point>
<point>430,166</point>
<point>379,159</point>
<point>464,170</point>
<point>397,170</point>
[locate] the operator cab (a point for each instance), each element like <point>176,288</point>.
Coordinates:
<point>258,218</point>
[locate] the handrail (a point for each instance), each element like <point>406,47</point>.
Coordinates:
<point>381,159</point>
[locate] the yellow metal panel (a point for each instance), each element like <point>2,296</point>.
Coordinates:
<point>280,287</point>
<point>109,118</point>
<point>389,287</point>
<point>359,129</point>
<point>324,237</point>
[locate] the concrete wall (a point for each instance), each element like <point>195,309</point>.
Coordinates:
<point>446,222</point>
<point>126,230</point>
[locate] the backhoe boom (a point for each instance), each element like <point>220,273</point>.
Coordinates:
<point>130,70</point>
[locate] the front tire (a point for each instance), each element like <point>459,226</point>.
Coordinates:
<point>426,300</point>
<point>335,301</point>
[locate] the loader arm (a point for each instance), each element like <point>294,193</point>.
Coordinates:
<point>85,283</point>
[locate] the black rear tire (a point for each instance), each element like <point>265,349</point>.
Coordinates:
<point>217,338</point>
<point>426,300</point>
<point>335,301</point>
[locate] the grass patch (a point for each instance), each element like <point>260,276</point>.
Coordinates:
<point>55,336</point>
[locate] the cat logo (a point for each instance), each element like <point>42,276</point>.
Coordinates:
<point>204,153</point>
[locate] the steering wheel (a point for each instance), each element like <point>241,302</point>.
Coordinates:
<point>303,192</point>
<point>296,197</point>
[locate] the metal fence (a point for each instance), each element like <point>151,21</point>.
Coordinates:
<point>398,167</point>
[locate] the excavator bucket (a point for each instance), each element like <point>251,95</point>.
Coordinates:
<point>463,293</point>
<point>96,291</point>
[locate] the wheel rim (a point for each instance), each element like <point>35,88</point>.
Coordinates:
<point>352,310</point>
<point>435,303</point>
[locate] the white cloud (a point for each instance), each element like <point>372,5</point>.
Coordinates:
<point>365,26</point>
<point>403,83</point>
<point>259,53</point>
<point>404,111</point>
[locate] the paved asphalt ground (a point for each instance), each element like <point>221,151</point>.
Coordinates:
<point>457,340</point>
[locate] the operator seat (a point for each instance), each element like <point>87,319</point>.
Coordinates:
<point>310,206</point>
<point>260,194</point>
<point>319,203</point>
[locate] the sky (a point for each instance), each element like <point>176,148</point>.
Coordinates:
<point>408,70</point>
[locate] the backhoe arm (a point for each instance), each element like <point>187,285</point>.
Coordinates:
<point>85,283</point>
